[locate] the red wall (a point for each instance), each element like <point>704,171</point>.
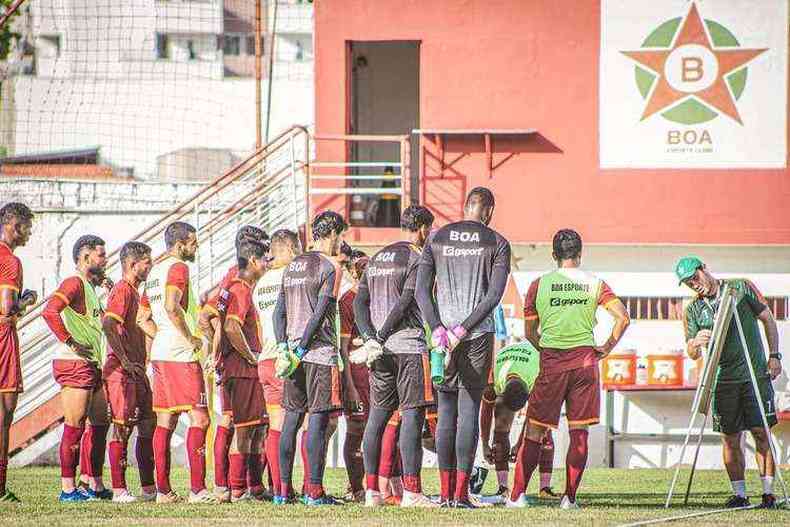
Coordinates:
<point>534,64</point>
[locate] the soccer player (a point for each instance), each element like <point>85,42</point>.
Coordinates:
<point>238,360</point>
<point>126,324</point>
<point>562,304</point>
<point>16,222</point>
<point>355,382</point>
<point>177,374</point>
<point>285,246</point>
<point>397,352</point>
<point>304,325</point>
<point>210,322</point>
<point>467,264</point>
<point>735,404</point>
<point>73,314</point>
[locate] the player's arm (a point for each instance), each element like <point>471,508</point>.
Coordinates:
<point>759,307</point>
<point>614,306</point>
<point>209,323</point>
<point>531,319</point>
<point>486,418</point>
<point>350,393</point>
<point>327,302</point>
<point>67,293</point>
<point>238,307</point>
<point>280,319</point>
<point>177,278</point>
<point>423,290</point>
<point>696,339</point>
<point>12,303</point>
<point>112,324</point>
<point>496,288</point>
<point>146,321</point>
<point>362,310</point>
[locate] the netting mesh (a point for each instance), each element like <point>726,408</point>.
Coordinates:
<point>149,89</point>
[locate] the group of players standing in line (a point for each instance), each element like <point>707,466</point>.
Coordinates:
<point>269,331</point>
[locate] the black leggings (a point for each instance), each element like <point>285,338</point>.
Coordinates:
<point>291,423</point>
<point>458,428</point>
<point>411,425</point>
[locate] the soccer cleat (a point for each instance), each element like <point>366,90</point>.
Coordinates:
<point>103,494</point>
<point>546,493</point>
<point>222,494</point>
<point>355,497</point>
<point>124,497</point>
<point>247,496</point>
<point>769,501</point>
<point>147,497</point>
<point>736,501</point>
<point>464,504</point>
<point>204,496</point>
<point>9,497</point>
<point>170,497</point>
<point>567,505</point>
<point>73,496</point>
<point>446,504</point>
<point>322,500</point>
<point>392,500</point>
<point>417,500</point>
<point>373,498</point>
<point>520,503</point>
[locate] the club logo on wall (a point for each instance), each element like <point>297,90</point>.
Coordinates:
<point>694,84</point>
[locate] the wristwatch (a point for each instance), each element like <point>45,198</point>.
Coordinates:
<point>777,356</point>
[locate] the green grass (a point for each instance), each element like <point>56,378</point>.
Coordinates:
<point>609,497</point>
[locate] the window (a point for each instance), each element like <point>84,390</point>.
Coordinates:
<point>162,51</point>
<point>50,46</point>
<point>671,308</point>
<point>232,45</point>
<point>251,45</point>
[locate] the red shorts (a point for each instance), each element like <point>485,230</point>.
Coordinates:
<point>178,386</point>
<point>272,385</point>
<point>246,401</point>
<point>10,362</point>
<point>579,389</point>
<point>360,376</point>
<point>76,373</point>
<point>130,402</point>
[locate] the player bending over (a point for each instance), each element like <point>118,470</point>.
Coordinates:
<point>735,406</point>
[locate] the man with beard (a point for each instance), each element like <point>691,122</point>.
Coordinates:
<point>16,222</point>
<point>126,324</point>
<point>73,314</point>
<point>178,384</point>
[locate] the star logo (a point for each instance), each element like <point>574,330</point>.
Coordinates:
<point>690,71</point>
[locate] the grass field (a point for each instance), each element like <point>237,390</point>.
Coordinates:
<point>609,497</point>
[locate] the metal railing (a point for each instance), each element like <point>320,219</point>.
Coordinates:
<point>267,189</point>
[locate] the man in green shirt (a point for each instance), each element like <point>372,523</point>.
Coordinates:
<point>735,407</point>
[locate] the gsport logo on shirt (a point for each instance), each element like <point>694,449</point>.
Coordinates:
<point>555,302</point>
<point>463,237</point>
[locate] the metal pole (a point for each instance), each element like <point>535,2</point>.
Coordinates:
<point>272,40</point>
<point>756,390</point>
<point>696,457</point>
<point>10,10</point>
<point>258,68</point>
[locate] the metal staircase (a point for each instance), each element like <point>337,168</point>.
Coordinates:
<point>268,189</point>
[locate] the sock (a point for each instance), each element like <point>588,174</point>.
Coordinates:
<point>86,444</point>
<point>196,453</point>
<point>70,450</point>
<point>739,488</point>
<point>412,483</point>
<point>237,475</point>
<point>461,485</point>
<point>272,446</point>
<point>254,473</point>
<point>526,463</point>
<point>3,470</point>
<point>117,452</point>
<point>447,483</point>
<point>546,466</point>
<point>545,480</point>
<point>98,447</point>
<point>501,478</point>
<point>221,447</point>
<point>144,452</point>
<point>305,463</point>
<point>768,484</point>
<point>388,450</point>
<point>352,456</point>
<point>161,444</point>
<point>575,462</point>
<point>315,490</point>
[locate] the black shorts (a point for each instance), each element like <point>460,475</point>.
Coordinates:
<point>735,408</point>
<point>401,381</point>
<point>470,365</point>
<point>312,388</point>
